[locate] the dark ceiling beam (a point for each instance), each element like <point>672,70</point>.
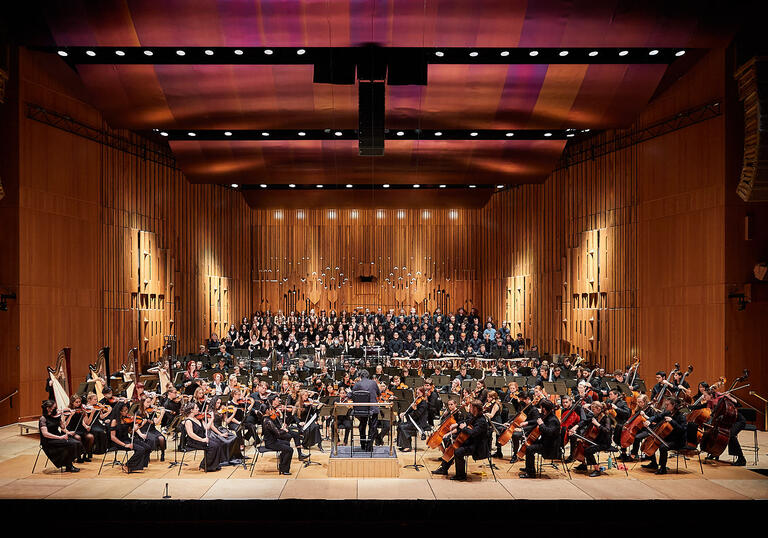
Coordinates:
<point>366,55</point>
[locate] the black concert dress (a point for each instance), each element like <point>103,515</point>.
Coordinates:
<point>61,452</point>
<point>215,449</point>
<point>141,447</point>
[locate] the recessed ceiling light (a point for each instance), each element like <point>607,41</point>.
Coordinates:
<point>569,135</point>
<point>148,53</point>
<point>268,51</point>
<point>416,186</point>
<point>265,133</point>
<point>623,52</point>
<point>439,54</point>
<point>533,53</point>
<point>63,53</point>
<point>90,53</point>
<point>593,53</point>
<point>292,185</point>
<point>505,53</point>
<point>239,52</point>
<point>653,52</point>
<point>474,53</point>
<point>499,186</point>
<point>472,186</point>
<point>180,52</point>
<point>163,133</point>
<point>302,133</point>
<point>235,185</point>
<point>190,133</point>
<point>442,186</point>
<point>563,53</point>
<point>208,52</point>
<point>473,133</point>
<point>386,185</point>
<point>349,185</point>
<point>400,133</point>
<point>227,133</point>
<point>263,185</point>
<point>300,52</point>
<point>120,53</point>
<point>510,134</point>
<point>319,186</point>
<point>585,130</point>
<point>338,133</point>
<point>439,133</point>
<point>547,134</point>
<point>679,53</point>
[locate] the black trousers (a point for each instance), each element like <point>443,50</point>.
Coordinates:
<point>734,448</point>
<point>638,441</point>
<point>286,454</point>
<point>368,423</point>
<point>459,457</point>
<point>664,453</point>
<point>530,457</point>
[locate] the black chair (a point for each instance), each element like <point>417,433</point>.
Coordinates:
<point>61,469</point>
<point>553,462</point>
<point>112,447</point>
<point>183,448</point>
<point>261,449</point>
<point>685,453</point>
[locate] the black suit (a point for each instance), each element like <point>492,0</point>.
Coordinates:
<point>406,429</point>
<point>276,439</point>
<point>548,444</point>
<point>476,445</point>
<point>368,416</point>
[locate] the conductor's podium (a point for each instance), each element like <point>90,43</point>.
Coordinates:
<point>354,462</point>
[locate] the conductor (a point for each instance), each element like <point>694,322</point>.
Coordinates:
<point>366,390</point>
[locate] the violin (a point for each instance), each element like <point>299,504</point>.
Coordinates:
<point>139,421</point>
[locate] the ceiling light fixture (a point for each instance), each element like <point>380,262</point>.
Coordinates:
<point>208,52</point>
<point>533,53</point>
<point>63,53</point>
<point>439,54</point>
<point>349,185</point>
<point>180,52</point>
<point>653,52</point>
<point>191,133</point>
<point>473,54</point>
<point>263,185</point>
<point>90,53</point>
<point>238,52</point>
<point>593,53</point>
<point>120,53</point>
<point>547,134</point>
<point>300,52</point>
<point>265,133</point>
<point>163,133</point>
<point>416,186</point>
<point>148,53</point>
<point>499,186</point>
<point>292,185</point>
<point>505,53</point>
<point>235,185</point>
<point>386,185</point>
<point>563,53</point>
<point>472,186</point>
<point>319,186</point>
<point>400,133</point>
<point>679,53</point>
<point>510,134</point>
<point>268,52</point>
<point>302,133</point>
<point>439,133</point>
<point>338,133</point>
<point>227,133</point>
<point>623,52</point>
<point>473,133</point>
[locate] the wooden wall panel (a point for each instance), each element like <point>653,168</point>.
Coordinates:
<point>313,259</point>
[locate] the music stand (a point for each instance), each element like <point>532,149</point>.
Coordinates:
<point>314,418</point>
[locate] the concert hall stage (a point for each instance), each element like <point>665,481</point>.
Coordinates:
<point>414,498</point>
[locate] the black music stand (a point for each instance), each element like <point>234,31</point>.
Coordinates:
<point>415,465</point>
<point>309,461</point>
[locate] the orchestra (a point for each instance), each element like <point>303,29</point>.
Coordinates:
<point>462,403</point>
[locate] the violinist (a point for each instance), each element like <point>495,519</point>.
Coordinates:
<point>93,423</point>
<point>223,418</point>
<point>397,384</point>
<point>139,393</point>
<point>199,397</point>
<point>433,400</point>
<point>304,412</point>
<point>73,422</point>
<point>59,445</point>
<point>384,426</point>
<point>171,404</point>
<point>620,412</point>
<point>412,420</point>
<point>480,393</point>
<point>532,415</point>
<point>476,444</point>
<point>674,440</point>
<point>152,420</point>
<point>548,444</point>
<point>492,411</point>
<point>190,379</point>
<point>276,436</point>
<point>599,424</point>
<point>201,434</point>
<point>125,432</point>
<point>217,385</point>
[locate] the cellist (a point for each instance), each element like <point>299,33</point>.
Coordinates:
<point>621,409</point>
<point>476,444</point>
<point>531,415</point>
<point>711,398</point>
<point>673,441</point>
<point>548,444</point>
<point>598,419</point>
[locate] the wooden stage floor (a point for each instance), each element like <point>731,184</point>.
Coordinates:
<point>720,481</point>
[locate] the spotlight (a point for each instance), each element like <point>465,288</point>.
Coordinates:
<point>533,53</point>
<point>319,186</point>
<point>438,133</point>
<point>227,133</point>
<point>563,53</point>
<point>338,133</point>
<point>510,134</point>
<point>400,133</point>
<point>593,53</point>
<point>473,133</point>
<point>292,185</point>
<point>472,186</point>
<point>235,185</point>
<point>439,54</point>
<point>238,52</point>
<point>180,52</point>
<point>148,53</point>
<point>90,53</point>
<point>416,186</point>
<point>163,133</point>
<point>300,52</point>
<point>302,133</point>
<point>679,53</point>
<point>63,53</point>
<point>208,52</point>
<point>191,133</point>
<point>386,185</point>
<point>265,133</point>
<point>623,52</point>
<point>499,186</point>
<point>263,185</point>
<point>120,53</point>
<point>349,185</point>
<point>547,134</point>
<point>653,52</point>
<point>505,53</point>
<point>569,135</point>
<point>268,52</point>
<point>442,186</point>
<point>473,54</point>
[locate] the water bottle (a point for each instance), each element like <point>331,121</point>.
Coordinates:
<point>611,464</point>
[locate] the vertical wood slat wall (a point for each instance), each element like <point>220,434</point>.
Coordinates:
<point>314,258</point>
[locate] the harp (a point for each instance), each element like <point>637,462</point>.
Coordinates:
<point>99,372</point>
<point>130,371</point>
<point>60,374</point>
<point>164,371</point>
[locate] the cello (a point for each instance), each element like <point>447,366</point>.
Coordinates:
<point>436,438</point>
<point>725,414</point>
<point>590,435</point>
